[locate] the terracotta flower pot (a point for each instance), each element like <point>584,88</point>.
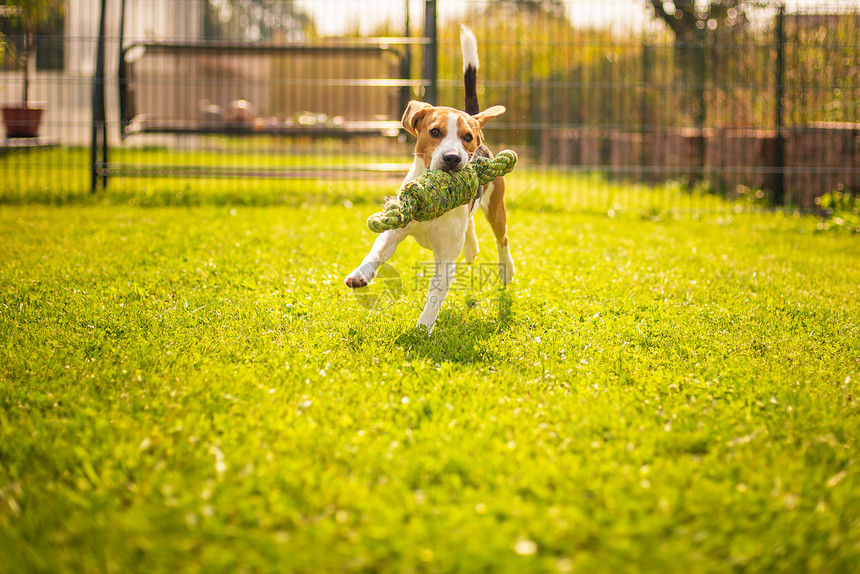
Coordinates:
<point>22,120</point>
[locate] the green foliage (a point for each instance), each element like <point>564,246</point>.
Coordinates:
<point>256,21</point>
<point>520,49</point>
<point>31,15</point>
<point>194,389</point>
<point>550,73</point>
<point>686,18</point>
<point>823,68</point>
<point>842,211</point>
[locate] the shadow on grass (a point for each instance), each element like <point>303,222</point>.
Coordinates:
<point>458,336</point>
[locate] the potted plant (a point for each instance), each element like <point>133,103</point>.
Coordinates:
<point>22,119</point>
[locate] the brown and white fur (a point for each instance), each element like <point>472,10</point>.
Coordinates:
<point>447,139</point>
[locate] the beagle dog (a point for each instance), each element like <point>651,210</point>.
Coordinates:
<point>447,139</point>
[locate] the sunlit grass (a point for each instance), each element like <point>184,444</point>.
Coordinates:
<point>194,389</point>
<point>62,177</point>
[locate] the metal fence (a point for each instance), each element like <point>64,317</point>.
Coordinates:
<point>724,100</point>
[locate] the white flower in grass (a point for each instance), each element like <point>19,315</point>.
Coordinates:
<point>525,547</point>
<point>220,465</point>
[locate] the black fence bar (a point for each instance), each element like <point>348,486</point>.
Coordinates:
<point>99,115</point>
<point>779,195</point>
<point>431,53</point>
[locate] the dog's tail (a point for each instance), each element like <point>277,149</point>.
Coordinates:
<point>470,69</point>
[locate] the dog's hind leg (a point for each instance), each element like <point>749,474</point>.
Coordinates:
<point>493,206</point>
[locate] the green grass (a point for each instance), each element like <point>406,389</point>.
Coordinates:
<point>193,389</point>
<point>61,177</point>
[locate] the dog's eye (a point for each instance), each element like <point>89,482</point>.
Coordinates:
<point>436,132</point>
<point>467,138</point>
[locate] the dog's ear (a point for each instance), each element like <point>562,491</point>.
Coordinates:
<point>490,113</point>
<point>415,112</point>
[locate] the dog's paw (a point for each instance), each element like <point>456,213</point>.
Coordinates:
<point>354,282</point>
<point>423,330</point>
<point>357,279</point>
<point>470,251</point>
<point>506,266</point>
<point>506,271</point>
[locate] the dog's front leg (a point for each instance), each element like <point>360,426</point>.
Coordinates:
<point>383,248</point>
<point>470,249</point>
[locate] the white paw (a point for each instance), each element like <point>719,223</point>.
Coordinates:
<point>360,277</point>
<point>506,270</point>
<point>424,327</point>
<point>470,252</point>
<point>506,266</point>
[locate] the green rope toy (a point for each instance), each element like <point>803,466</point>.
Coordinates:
<point>437,191</point>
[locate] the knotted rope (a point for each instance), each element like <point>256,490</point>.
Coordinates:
<point>436,192</point>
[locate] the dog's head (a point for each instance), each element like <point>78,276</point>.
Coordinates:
<point>447,138</point>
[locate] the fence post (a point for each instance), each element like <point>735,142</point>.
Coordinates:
<point>701,112</point>
<point>779,197</point>
<point>607,114</point>
<point>406,65</point>
<point>431,73</point>
<point>643,111</point>
<point>99,128</point>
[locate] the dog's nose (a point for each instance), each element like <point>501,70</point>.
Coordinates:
<point>451,160</point>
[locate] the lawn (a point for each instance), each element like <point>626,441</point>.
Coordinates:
<point>193,389</point>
